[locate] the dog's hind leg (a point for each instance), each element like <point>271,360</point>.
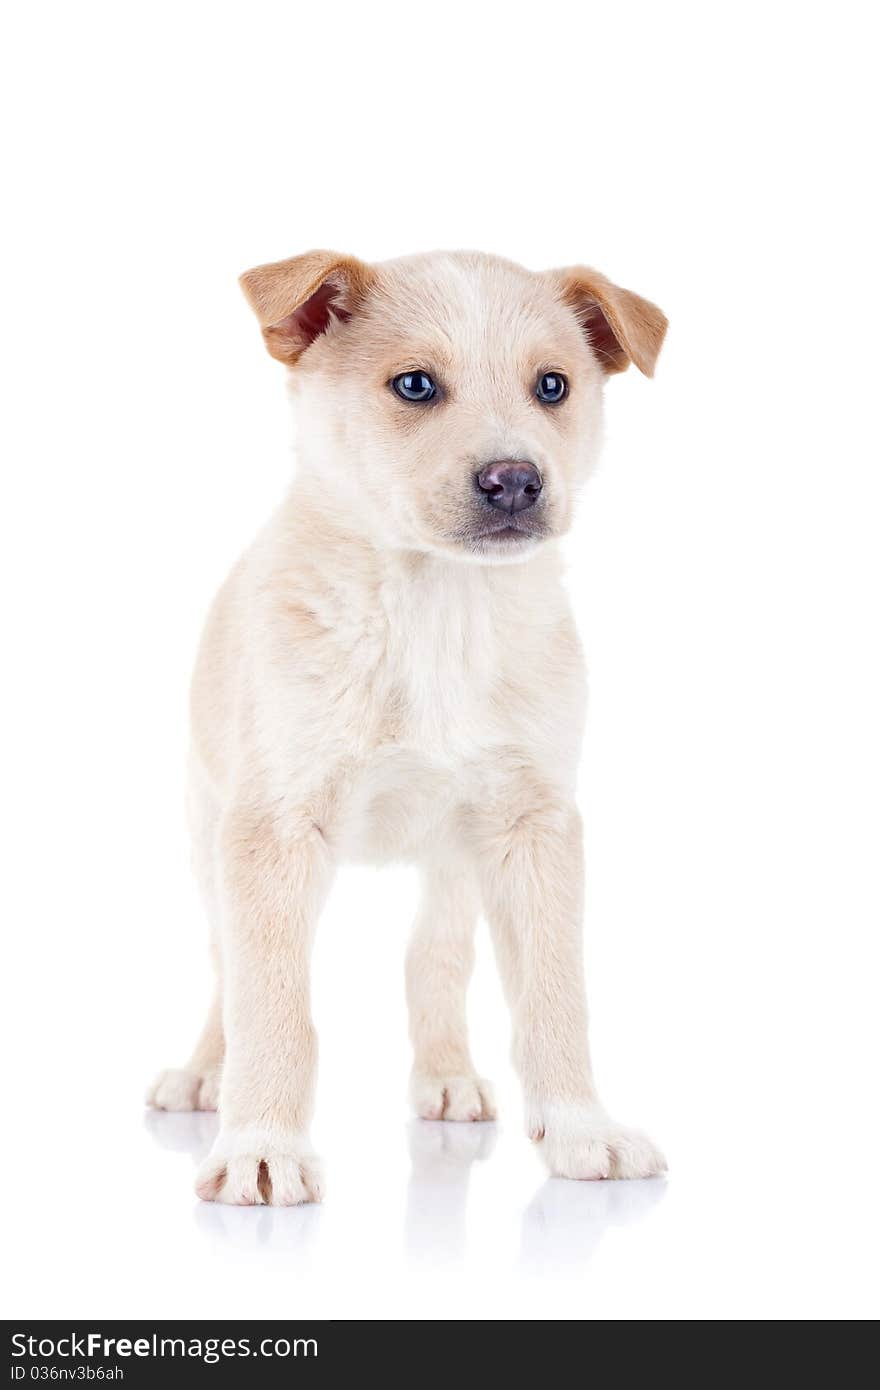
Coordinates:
<point>196,1086</point>
<point>444,1084</point>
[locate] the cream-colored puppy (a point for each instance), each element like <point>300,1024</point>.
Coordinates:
<point>392,671</point>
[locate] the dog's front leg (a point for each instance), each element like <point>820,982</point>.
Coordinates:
<point>532,873</point>
<point>275,877</point>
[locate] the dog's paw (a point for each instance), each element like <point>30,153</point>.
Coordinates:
<point>185,1090</point>
<point>452,1097</point>
<point>253,1167</point>
<point>581,1141</point>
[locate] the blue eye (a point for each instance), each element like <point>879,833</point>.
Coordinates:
<point>414,386</point>
<point>551,388</point>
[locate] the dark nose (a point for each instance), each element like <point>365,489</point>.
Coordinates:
<point>511,487</point>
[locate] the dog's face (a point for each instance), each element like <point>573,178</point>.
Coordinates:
<point>450,402</point>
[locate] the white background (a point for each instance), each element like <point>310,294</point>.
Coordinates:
<point>724,569</point>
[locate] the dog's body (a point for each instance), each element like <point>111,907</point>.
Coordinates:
<point>392,672</point>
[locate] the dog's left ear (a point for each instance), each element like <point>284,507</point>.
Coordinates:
<point>620,326</point>
<point>297,300</point>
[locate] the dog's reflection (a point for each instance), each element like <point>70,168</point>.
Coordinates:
<point>565,1220</point>
<point>561,1227</point>
<point>442,1155</point>
<point>182,1131</point>
<point>288,1231</point>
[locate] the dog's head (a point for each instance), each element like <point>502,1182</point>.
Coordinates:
<point>450,402</point>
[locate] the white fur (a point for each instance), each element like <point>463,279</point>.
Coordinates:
<point>371,686</point>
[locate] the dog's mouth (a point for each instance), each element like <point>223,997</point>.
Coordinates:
<point>508,530</point>
<point>499,532</point>
<point>504,534</point>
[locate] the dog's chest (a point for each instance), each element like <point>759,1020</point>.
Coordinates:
<point>426,719</point>
<point>439,664</point>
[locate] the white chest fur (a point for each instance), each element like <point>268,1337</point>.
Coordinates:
<point>396,690</point>
<point>440,659</point>
<point>436,673</point>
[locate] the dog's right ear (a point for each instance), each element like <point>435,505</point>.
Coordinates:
<point>297,300</point>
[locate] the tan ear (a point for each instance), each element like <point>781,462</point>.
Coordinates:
<point>620,326</point>
<point>297,300</point>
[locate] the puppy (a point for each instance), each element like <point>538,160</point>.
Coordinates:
<point>392,671</point>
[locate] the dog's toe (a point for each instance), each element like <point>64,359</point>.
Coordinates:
<point>461,1098</point>
<point>582,1141</point>
<point>249,1170</point>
